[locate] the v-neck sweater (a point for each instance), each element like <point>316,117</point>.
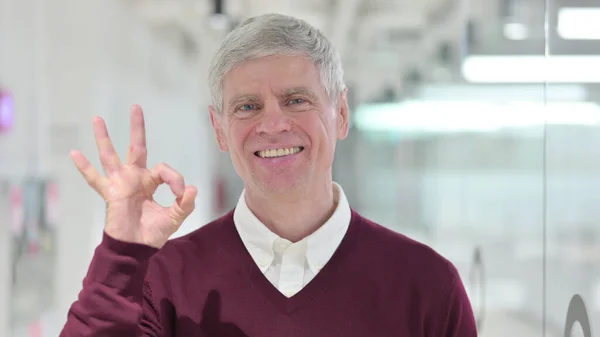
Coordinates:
<point>206,284</point>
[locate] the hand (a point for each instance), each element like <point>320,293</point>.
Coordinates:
<point>132,215</point>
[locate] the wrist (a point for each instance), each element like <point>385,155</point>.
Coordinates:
<point>127,248</point>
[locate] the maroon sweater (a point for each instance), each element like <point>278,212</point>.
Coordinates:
<point>378,283</point>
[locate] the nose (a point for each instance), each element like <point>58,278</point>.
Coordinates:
<point>273,120</point>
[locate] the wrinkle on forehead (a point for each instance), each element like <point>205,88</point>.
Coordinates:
<point>283,75</point>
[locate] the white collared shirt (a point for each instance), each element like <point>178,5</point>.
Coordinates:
<point>290,266</point>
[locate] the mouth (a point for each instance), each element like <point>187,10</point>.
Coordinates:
<point>281,152</point>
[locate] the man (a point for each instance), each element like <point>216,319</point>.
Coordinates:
<point>292,259</point>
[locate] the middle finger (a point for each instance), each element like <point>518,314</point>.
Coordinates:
<point>108,156</point>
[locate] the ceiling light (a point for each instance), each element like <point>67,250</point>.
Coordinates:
<point>579,23</point>
<point>422,116</point>
<point>532,69</point>
<point>503,92</point>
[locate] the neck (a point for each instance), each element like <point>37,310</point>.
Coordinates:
<point>294,218</point>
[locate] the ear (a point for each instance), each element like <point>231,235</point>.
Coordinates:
<point>343,114</point>
<point>215,120</point>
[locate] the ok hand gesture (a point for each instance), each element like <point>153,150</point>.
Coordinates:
<point>132,215</point>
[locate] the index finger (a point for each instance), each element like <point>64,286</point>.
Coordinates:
<point>137,153</point>
<point>163,173</point>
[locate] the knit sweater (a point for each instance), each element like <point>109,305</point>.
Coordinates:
<point>378,283</point>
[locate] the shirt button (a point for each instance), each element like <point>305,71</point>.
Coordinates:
<point>281,246</point>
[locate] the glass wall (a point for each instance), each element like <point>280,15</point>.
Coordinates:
<point>495,163</point>
<point>572,286</point>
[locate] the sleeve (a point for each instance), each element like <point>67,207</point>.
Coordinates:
<point>454,317</point>
<point>116,299</point>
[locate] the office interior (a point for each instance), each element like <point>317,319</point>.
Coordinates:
<point>475,129</point>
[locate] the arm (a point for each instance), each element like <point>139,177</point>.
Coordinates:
<point>454,316</point>
<point>115,300</point>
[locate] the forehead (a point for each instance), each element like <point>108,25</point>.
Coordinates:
<point>273,73</point>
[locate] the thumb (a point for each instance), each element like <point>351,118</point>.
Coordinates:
<point>183,206</point>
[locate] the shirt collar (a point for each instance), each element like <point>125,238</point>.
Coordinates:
<point>320,245</point>
<point>324,241</point>
<point>257,238</point>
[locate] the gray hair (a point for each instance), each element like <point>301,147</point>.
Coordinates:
<point>276,34</point>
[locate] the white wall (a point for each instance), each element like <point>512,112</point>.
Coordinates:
<point>17,72</point>
<point>68,60</point>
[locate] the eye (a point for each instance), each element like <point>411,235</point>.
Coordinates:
<point>247,107</point>
<point>296,101</point>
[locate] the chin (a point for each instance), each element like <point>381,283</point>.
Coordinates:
<point>280,184</point>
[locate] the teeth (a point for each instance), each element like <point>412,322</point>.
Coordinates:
<point>272,153</point>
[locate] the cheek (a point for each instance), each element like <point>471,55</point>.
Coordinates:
<point>315,125</point>
<point>240,136</point>
<point>322,132</point>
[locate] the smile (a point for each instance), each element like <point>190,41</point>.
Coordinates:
<point>274,153</point>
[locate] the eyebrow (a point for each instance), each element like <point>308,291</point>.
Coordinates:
<point>245,98</point>
<point>299,91</point>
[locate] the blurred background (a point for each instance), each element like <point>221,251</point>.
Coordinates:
<point>476,130</point>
